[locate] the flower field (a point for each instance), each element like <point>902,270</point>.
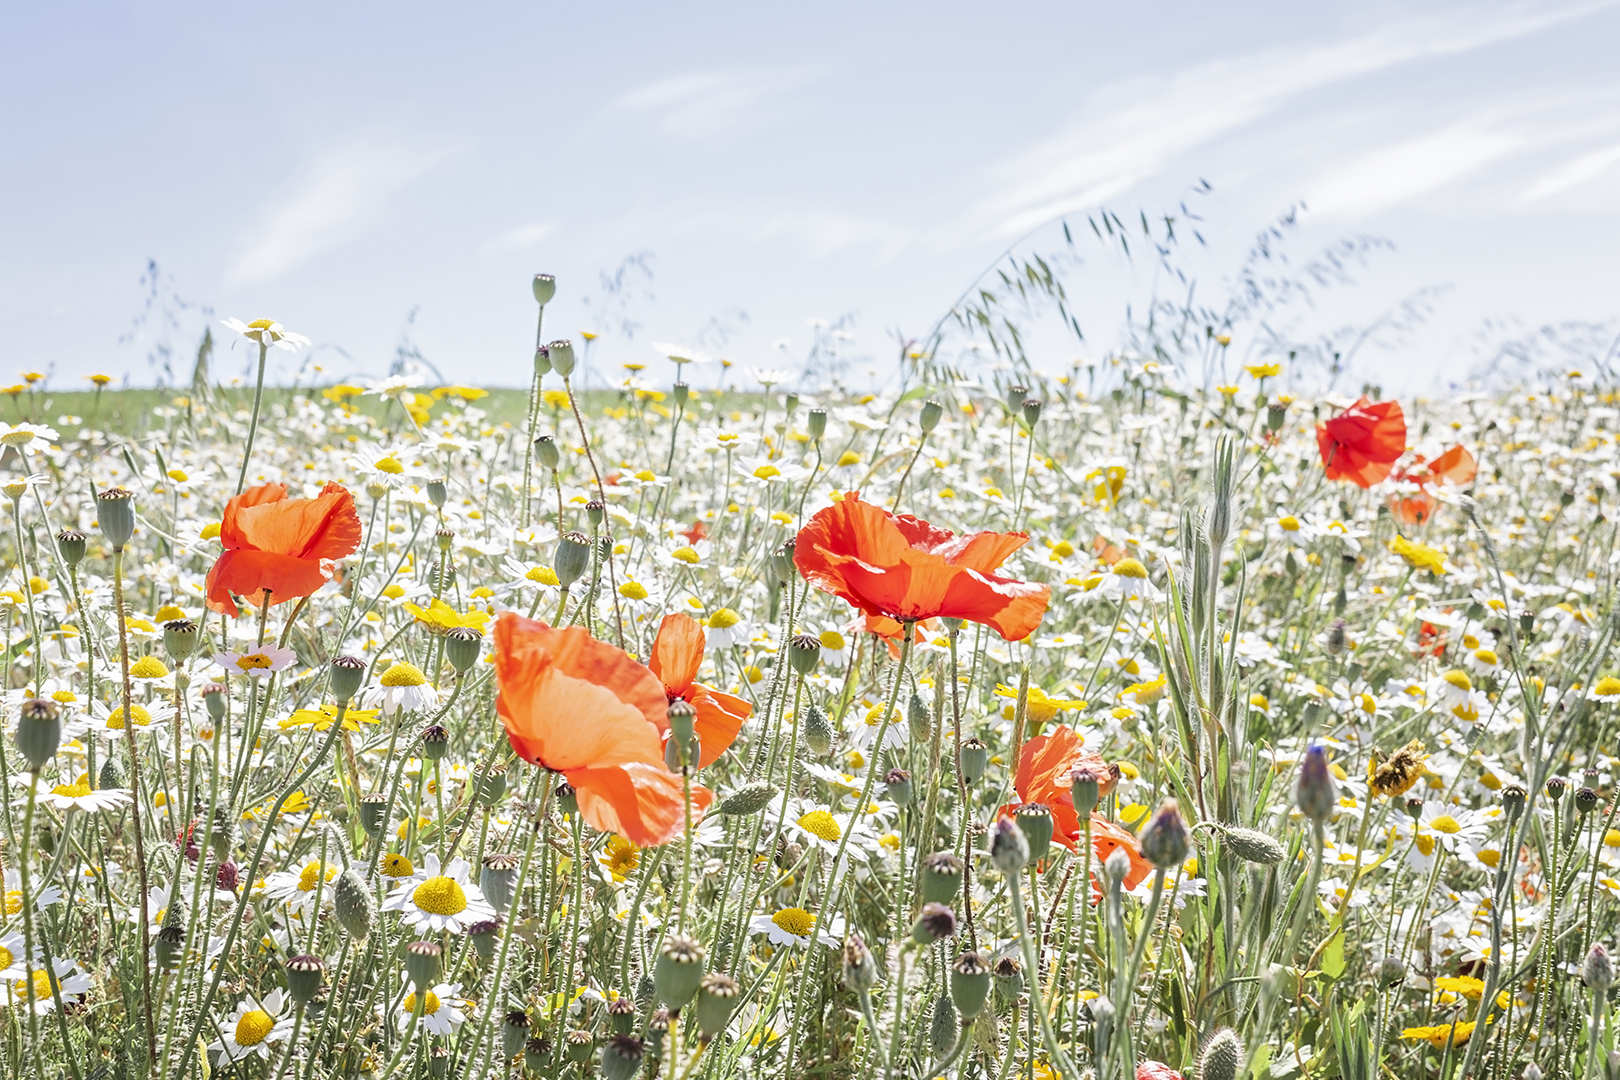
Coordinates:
<point>1035,726</point>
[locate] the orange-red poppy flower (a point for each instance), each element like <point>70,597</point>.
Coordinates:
<point>677,653</point>
<point>281,545</point>
<point>1455,466</point>
<point>905,568</point>
<point>586,710</point>
<point>1362,443</point>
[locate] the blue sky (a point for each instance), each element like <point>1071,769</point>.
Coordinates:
<point>341,167</point>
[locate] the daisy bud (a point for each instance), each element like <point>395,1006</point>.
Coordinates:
<point>1117,865</point>
<point>514,1033</point>
<point>1316,794</point>
<point>818,731</point>
<point>304,977</point>
<point>214,697</point>
<point>975,759</point>
<point>580,1045</point>
<point>498,878</point>
<point>373,812</point>
<point>39,731</point>
<point>545,287</point>
<point>749,799</point>
<point>804,652</point>
<point>717,997</point>
<point>115,514</point>
<point>490,784</point>
<point>621,1057</point>
<point>1513,799</point>
<point>1009,851</point>
<point>1222,1057</point>
<point>537,1054</point>
<point>678,970</point>
<point>928,418</point>
<point>1085,788</point>
<point>1391,972</point>
<point>422,963</point>
<point>354,904</point>
<point>860,970</point>
<point>72,544</point>
<point>561,353</point>
<point>897,784</point>
<point>1557,786</point>
<point>681,719</point>
<point>681,393</point>
<point>1586,800</point>
<point>970,983</point>
<point>1597,971</point>
<point>936,922</point>
<point>180,639</point>
<point>573,556</point>
<point>483,935</point>
<point>1165,841</point>
<point>436,493</point>
<point>346,674</point>
<point>1032,411</point>
<point>567,800</point>
<point>816,424</point>
<point>1035,821</point>
<point>941,877</point>
<point>435,742</point>
<point>1009,975</point>
<point>169,947</point>
<point>942,1026</point>
<point>376,489</point>
<point>1253,846</point>
<point>546,453</point>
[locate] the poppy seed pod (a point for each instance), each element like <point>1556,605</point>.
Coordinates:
<point>682,716</point>
<point>347,673</point>
<point>169,946</point>
<point>1014,399</point>
<point>897,784</point>
<point>562,357</point>
<point>860,970</point>
<point>621,1014</point>
<point>373,812</point>
<point>573,556</point>
<point>1032,411</point>
<point>1334,645</point>
<point>970,983</point>
<point>542,362</point>
<point>462,645</point>
<point>1085,788</point>
<point>935,922</point>
<point>546,452</point>
<point>304,977</point>
<point>498,877</point>
<point>717,997</point>
<point>1586,800</point>
<point>1009,973</point>
<point>422,963</point>
<point>1165,842</point>
<point>72,544</point>
<point>445,538</point>
<point>483,936</point>
<point>681,393</point>
<point>567,798</point>
<point>1276,416</point>
<point>941,878</point>
<point>804,653</point>
<point>39,731</point>
<point>435,742</point>
<point>353,902</point>
<point>180,639</point>
<point>678,971</point>
<point>580,1046</point>
<point>621,1057</point>
<point>1035,821</point>
<point>438,1060</point>
<point>975,759</point>
<point>545,287</point>
<point>1557,787</point>
<point>816,424</point>
<point>537,1054</point>
<point>115,514</point>
<point>1316,793</point>
<point>928,418</point>
<point>436,493</point>
<point>1009,851</point>
<point>595,511</point>
<point>1513,799</point>
<point>514,1032</point>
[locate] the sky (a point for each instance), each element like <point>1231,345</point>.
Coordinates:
<point>751,179</point>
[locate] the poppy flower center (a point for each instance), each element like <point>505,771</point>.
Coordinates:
<point>1459,679</point>
<point>254,1026</point>
<point>822,825</point>
<point>794,920</point>
<point>429,1006</point>
<point>403,675</point>
<point>440,896</point>
<point>254,661</point>
<point>115,720</point>
<point>1447,824</point>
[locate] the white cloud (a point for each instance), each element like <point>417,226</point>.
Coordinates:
<point>342,193</point>
<point>524,236</point>
<point>1131,131</point>
<point>1396,173</point>
<point>1579,171</point>
<point>706,103</point>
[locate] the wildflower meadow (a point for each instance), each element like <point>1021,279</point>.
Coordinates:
<point>1005,724</point>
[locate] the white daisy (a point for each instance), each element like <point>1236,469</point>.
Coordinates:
<point>252,1027</point>
<point>297,890</point>
<point>44,895</point>
<point>13,953</point>
<point>258,664</point>
<point>402,686</point>
<point>79,796</point>
<point>36,992</point>
<point>440,898</point>
<point>268,333</point>
<point>441,1010</point>
<point>27,437</point>
<point>792,927</point>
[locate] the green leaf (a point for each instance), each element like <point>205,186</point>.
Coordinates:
<point>1333,957</point>
<point>18,648</point>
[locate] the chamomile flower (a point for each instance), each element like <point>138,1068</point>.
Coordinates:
<point>253,1027</point>
<point>296,889</point>
<point>79,796</point>
<point>37,992</point>
<point>440,898</point>
<point>13,957</point>
<point>441,1009</point>
<point>793,926</point>
<point>12,894</point>
<point>1128,580</point>
<point>267,333</point>
<point>150,717</point>
<point>1453,692</point>
<point>401,687</point>
<point>28,438</point>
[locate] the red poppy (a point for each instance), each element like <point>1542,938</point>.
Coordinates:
<point>1156,1070</point>
<point>698,531</point>
<point>1455,466</point>
<point>588,711</point>
<point>677,653</point>
<point>905,568</point>
<point>1362,443</point>
<point>281,545</point>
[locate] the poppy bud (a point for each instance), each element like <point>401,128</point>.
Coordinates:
<point>180,639</point>
<point>1032,411</point>
<point>818,730</point>
<point>304,977</point>
<point>435,742</point>
<point>816,424</point>
<point>222,833</point>
<point>422,963</point>
<point>461,647</point>
<point>226,877</point>
<point>436,493</point>
<point>483,935</point>
<point>1253,846</point>
<point>562,357</point>
<point>678,970</point>
<point>573,556</point>
<point>546,452</point>
<point>1513,799</point>
<point>537,1054</point>
<point>860,970</point>
<point>1597,971</point>
<point>567,800</point>
<point>169,946</point>
<point>353,902</point>
<point>804,652</point>
<point>115,513</point>
<point>1556,788</point>
<point>514,1032</point>
<point>621,1057</point>
<point>1085,788</point>
<point>897,784</point>
<point>489,784</point>
<point>941,877</point>
<point>1316,793</point>
<point>545,287</point>
<point>717,997</point>
<point>214,698</point>
<point>347,673</point>
<point>748,799</point>
<point>580,1045</point>
<point>918,718</point>
<point>782,564</point>
<point>111,776</point>
<point>72,544</point>
<point>975,759</point>
<point>680,392</point>
<point>970,983</point>
<point>928,418</point>
<point>1334,645</point>
<point>1222,1057</point>
<point>935,922</point>
<point>942,1026</point>
<point>542,362</point>
<point>39,731</point>
<point>1164,841</point>
<point>1117,865</point>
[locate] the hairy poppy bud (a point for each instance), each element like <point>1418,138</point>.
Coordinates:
<point>1222,1057</point>
<point>1316,794</point>
<point>918,718</point>
<point>354,904</point>
<point>561,353</point>
<point>169,946</point>
<point>678,970</point>
<point>1085,789</point>
<point>1391,972</point>
<point>942,1026</point>
<point>1117,865</point>
<point>1253,846</point>
<point>783,566</point>
<point>545,287</point>
<point>215,699</point>
<point>818,730</point>
<point>860,970</point>
<point>970,983</point>
<point>1597,971</point>
<point>1334,645</point>
<point>1164,841</point>
<point>115,513</point>
<point>1009,851</point>
<point>748,799</point>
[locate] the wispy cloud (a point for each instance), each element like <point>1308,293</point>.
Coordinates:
<point>1573,173</point>
<point>1397,173</point>
<point>524,236</point>
<point>1131,131</point>
<point>341,194</point>
<point>710,102</point>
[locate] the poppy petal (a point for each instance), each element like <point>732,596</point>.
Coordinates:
<point>677,652</point>
<point>643,803</point>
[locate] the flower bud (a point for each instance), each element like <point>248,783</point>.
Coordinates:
<point>975,759</point>
<point>545,287</point>
<point>897,785</point>
<point>1032,411</point>
<point>168,947</point>
<point>1253,846</point>
<point>72,544</point>
<point>1085,789</point>
<point>1316,794</point>
<point>215,697</point>
<point>935,922</point>
<point>222,833</point>
<point>682,717</point>
<point>748,799</point>
<point>621,1057</point>
<point>1035,821</point>
<point>941,879</point>
<point>435,742</point>
<point>928,418</point>
<point>354,904</point>
<point>180,639</point>
<point>304,977</point>
<point>497,878</point>
<point>542,362</point>
<point>678,971</point>
<point>1597,971</point>
<point>514,1032</point>
<point>860,970</point>
<point>783,566</point>
<point>816,424</point>
<point>970,983</point>
<point>115,514</point>
<point>562,357</point>
<point>111,776</point>
<point>422,963</point>
<point>1222,1057</point>
<point>1165,841</point>
<point>682,753</point>
<point>918,718</point>
<point>39,731</point>
<point>1009,851</point>
<point>942,1026</point>
<point>546,452</point>
<point>1391,972</point>
<point>1335,643</point>
<point>717,997</point>
<point>818,730</point>
<point>1117,865</point>
<point>573,556</point>
<point>804,652</point>
<point>346,674</point>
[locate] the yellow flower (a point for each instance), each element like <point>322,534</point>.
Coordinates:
<point>557,399</point>
<point>440,617</point>
<point>99,380</point>
<point>342,392</point>
<point>849,457</point>
<point>1145,693</point>
<point>210,530</point>
<point>465,393</point>
<point>1263,371</point>
<point>687,555</point>
<point>620,857</point>
<point>1038,707</point>
<point>1419,556</point>
<point>322,717</point>
<point>1437,1035</point>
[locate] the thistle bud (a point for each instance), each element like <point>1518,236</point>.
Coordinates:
<point>580,1045</point>
<point>1085,789</point>
<point>1253,846</point>
<point>621,1057</point>
<point>1035,821</point>
<point>483,936</point>
<point>897,785</point>
<point>804,652</point>
<point>1165,841</point>
<point>435,742</point>
<point>545,287</point>
<point>678,971</point>
<point>497,878</point>
<point>72,544</point>
<point>970,983</point>
<point>346,675</point>
<point>422,963</point>
<point>573,556</point>
<point>561,353</point>
<point>975,759</point>
<point>489,784</point>
<point>1032,411</point>
<point>935,922</point>
<point>941,877</point>
<point>1316,794</point>
<point>546,452</point>
<point>717,997</point>
<point>180,639</point>
<point>816,424</point>
<point>1222,1057</point>
<point>818,730</point>
<point>537,1054</point>
<point>621,1013</point>
<point>1597,971</point>
<point>1009,851</point>
<point>304,977</point>
<point>860,970</point>
<point>354,904</point>
<point>749,799</point>
<point>373,813</point>
<point>39,731</point>
<point>928,418</point>
<point>115,514</point>
<point>514,1032</point>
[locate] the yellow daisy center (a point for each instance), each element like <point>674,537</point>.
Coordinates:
<point>440,896</point>
<point>178,476</point>
<point>148,667</point>
<point>724,619</point>
<point>261,324</point>
<point>1459,679</point>
<point>820,824</point>
<point>253,1027</point>
<point>1486,656</point>
<point>115,719</point>
<point>1608,686</point>
<point>1290,523</point>
<point>68,697</point>
<point>766,472</point>
<point>40,990</point>
<point>794,920</point>
<point>633,590</point>
<point>397,866</point>
<point>403,675</point>
<point>311,873</point>
<point>1490,857</point>
<point>1131,568</point>
<point>6,957</point>
<point>545,575</point>
<point>686,555</point>
<point>390,465</point>
<point>1447,824</point>
<point>429,1006</point>
<point>254,661</point>
<point>72,791</point>
<point>832,639</point>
